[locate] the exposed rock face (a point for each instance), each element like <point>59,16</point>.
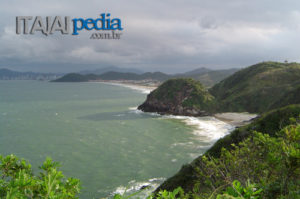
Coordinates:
<point>179,97</point>
<point>153,105</point>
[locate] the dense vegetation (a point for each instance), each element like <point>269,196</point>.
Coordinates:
<point>259,160</point>
<point>194,94</point>
<point>133,76</point>
<point>258,88</point>
<point>182,96</point>
<point>210,78</point>
<point>261,166</point>
<point>291,97</point>
<point>17,180</point>
<point>74,77</point>
<point>252,151</point>
<point>269,122</point>
<point>258,167</point>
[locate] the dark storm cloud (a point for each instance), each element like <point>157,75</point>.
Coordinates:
<point>166,35</point>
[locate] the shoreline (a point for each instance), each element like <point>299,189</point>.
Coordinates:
<point>223,125</point>
<point>144,86</point>
<point>235,119</point>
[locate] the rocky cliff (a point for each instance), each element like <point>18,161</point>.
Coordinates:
<point>183,96</point>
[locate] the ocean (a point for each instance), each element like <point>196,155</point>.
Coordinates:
<point>95,131</point>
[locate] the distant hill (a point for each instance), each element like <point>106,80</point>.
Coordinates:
<point>209,77</point>
<point>74,77</point>
<point>259,88</point>
<point>119,76</point>
<point>132,76</point>
<point>205,76</point>
<point>100,71</point>
<point>198,71</point>
<point>6,74</point>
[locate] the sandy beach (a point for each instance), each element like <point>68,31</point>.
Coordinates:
<point>144,87</point>
<point>236,119</point>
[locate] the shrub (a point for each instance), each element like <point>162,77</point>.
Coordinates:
<point>18,181</point>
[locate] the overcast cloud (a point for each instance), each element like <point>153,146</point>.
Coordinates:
<point>165,35</point>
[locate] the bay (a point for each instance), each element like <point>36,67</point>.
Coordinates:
<point>98,136</point>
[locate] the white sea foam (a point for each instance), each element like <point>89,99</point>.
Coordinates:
<point>194,155</point>
<point>145,187</point>
<point>182,144</point>
<point>133,108</point>
<point>119,115</point>
<point>156,179</point>
<point>137,111</point>
<point>142,89</point>
<point>208,129</point>
<point>236,119</point>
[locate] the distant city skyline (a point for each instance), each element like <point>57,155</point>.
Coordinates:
<point>170,36</point>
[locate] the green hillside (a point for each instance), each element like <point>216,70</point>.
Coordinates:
<point>257,88</point>
<point>74,77</point>
<point>207,77</point>
<point>291,97</point>
<point>133,76</point>
<point>211,78</point>
<point>269,123</point>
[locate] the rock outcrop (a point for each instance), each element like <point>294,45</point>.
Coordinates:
<point>181,96</point>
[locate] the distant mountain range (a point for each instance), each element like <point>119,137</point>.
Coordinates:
<point>206,76</point>
<point>100,71</point>
<point>133,76</point>
<point>197,71</point>
<point>6,74</point>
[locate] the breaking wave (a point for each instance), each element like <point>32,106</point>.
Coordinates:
<point>143,189</point>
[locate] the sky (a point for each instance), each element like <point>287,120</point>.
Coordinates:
<point>159,35</point>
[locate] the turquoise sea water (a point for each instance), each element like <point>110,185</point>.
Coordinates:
<point>98,136</point>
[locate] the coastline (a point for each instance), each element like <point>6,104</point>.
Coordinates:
<point>235,119</point>
<point>209,129</point>
<point>144,86</point>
